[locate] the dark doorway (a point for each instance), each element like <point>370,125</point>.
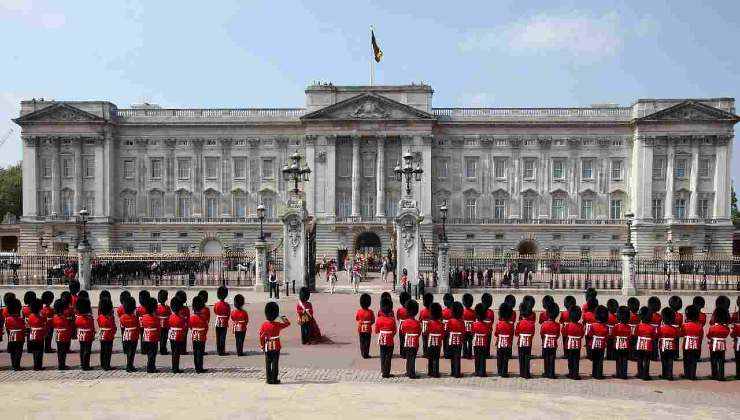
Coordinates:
<point>368,244</point>
<point>527,247</point>
<point>9,243</point>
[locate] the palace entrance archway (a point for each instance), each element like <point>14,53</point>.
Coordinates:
<point>528,247</point>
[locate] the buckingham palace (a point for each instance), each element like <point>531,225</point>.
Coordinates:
<point>523,179</point>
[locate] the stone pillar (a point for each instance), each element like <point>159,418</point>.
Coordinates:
<point>168,205</point>
<point>669,177</point>
<point>294,242</point>
<point>330,206</point>
<point>425,186</point>
<point>30,176</point>
<point>722,182</point>
<point>100,178</point>
<point>443,267</point>
<point>56,178</point>
<point>260,266</point>
<point>694,183</point>
<point>84,255</point>
<point>407,238</point>
<point>310,187</point>
<point>355,176</point>
<point>78,177</point>
<point>380,178</point>
<point>628,270</point>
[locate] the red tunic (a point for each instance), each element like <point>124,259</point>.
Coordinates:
<point>621,335</point>
<point>365,319</point>
<point>239,319</point>
<point>633,322</point>
<point>572,335</point>
<point>525,332</point>
<point>61,329</point>
<point>270,335</point>
<point>736,335</point>
<point>129,327</point>
<point>150,323</point>
<point>532,317</point>
<point>667,335</point>
<point>564,316</point>
<point>411,329</point>
<point>588,319</point>
<point>163,313</point>
<point>184,313</point>
<point>385,327</point>
<point>504,333</point>
<point>544,317</point>
<point>16,327</point>
<point>702,318</point>
<point>693,333</point>
<point>599,333</point>
<point>178,328</point>
<point>222,310</point>
<point>199,327</point>
<point>424,317</point>
<point>645,335</point>
<point>107,327</point>
<point>120,311</point>
<point>435,333</point>
<point>717,337</point>
<point>205,313</point>
<point>401,314</point>
<point>679,320</point>
<point>490,318</point>
<point>446,317</point>
<point>37,326</point>
<point>85,328</point>
<point>140,311</point>
<point>550,331</point>
<point>480,331</point>
<point>69,314</point>
<point>456,329</point>
<point>468,319</point>
<point>47,312</point>
<point>304,311</point>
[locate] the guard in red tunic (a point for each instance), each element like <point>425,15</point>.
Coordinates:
<point>644,347</point>
<point>163,314</point>
<point>717,340</point>
<point>72,296</point>
<point>85,331</point>
<point>736,340</point>
<point>655,320</point>
<point>7,297</point>
<point>222,310</point>
<point>550,332</point>
<point>37,334</point>
<point>722,301</point>
<point>573,338</point>
<point>270,341</point>
<point>130,330</point>
<point>546,301</point>
<point>700,303</point>
<point>199,327</point>
<point>424,317</point>
<point>385,328</point>
<point>28,297</point>
<point>435,336</point>
<point>447,301</point>
<point>455,332</point>
<point>47,312</point>
<point>504,333</point>
<point>511,300</point>
<point>468,320</point>
<point>568,303</point>
<point>310,332</point>
<point>177,333</point>
<point>411,329</point>
<point>599,335</point>
<point>205,313</point>
<point>676,304</point>
<point>621,334</point>
<point>239,321</point>
<point>481,332</point>
<point>612,305</point>
<point>634,306</point>
<point>400,316</point>
<point>120,311</point>
<point>693,334</point>
<point>525,337</point>
<point>151,324</point>
<point>15,326</point>
<point>107,326</point>
<point>589,317</point>
<point>487,300</point>
<point>365,318</point>
<point>667,339</point>
<point>140,311</point>
<point>184,313</point>
<point>62,332</point>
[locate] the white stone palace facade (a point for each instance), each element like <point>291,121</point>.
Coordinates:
<point>528,179</point>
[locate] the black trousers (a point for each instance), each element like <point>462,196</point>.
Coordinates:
<point>488,346</point>
<point>737,364</point>
<point>717,360</point>
<point>622,356</point>
<point>690,359</point>
<point>199,349</point>
<point>446,346</point>
<point>16,352</point>
<point>272,358</point>
<point>548,356</point>
<point>37,349</point>
<point>610,349</point>
<point>106,352</point>
<point>525,356</point>
<point>655,355</point>
<point>141,341</point>
<point>221,340</point>
<point>666,359</point>
<point>62,350</point>
<point>401,340</point>
<point>574,363</point>
<point>305,332</point>
<point>151,355</point>
<point>433,354</point>
<point>480,355</point>
<point>365,345</point>
<point>239,336</point>
<point>633,348</point>
<point>386,354</point>
<point>178,349</point>
<point>411,361</point>
<point>424,344</point>
<point>597,363</point>
<point>455,353</point>
<point>85,353</point>
<point>274,287</point>
<point>47,341</point>
<point>129,348</point>
<point>643,364</point>
<point>503,354</point>
<point>163,335</point>
<point>468,346</point>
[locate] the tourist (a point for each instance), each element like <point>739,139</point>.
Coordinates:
<point>365,318</point>
<point>240,319</point>
<point>273,283</point>
<point>222,310</point>
<point>270,341</point>
<point>411,330</point>
<point>525,331</point>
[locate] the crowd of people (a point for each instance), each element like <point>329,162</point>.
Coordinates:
<point>607,332</point>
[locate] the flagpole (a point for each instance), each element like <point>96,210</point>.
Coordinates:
<point>372,62</point>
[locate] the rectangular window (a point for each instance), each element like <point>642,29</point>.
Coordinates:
<point>368,166</point>
<point>128,168</point>
<point>557,169</point>
<point>587,209</point>
<point>129,207</point>
<point>585,252</point>
<point>183,205</point>
<point>615,209</point>
<point>587,169</point>
<point>345,168</point>
<point>499,168</point>
<point>183,168</point>
<point>268,171</point>
<point>89,202</point>
<point>443,168</point>
<point>368,205</point>
<point>528,209</point>
<point>617,170</point>
<point>558,208</point>
<point>156,168</point>
<point>44,203</point>
<point>657,208</point>
<point>680,208</point>
<point>529,169</point>
<point>704,208</point>
<point>704,167</point>
<point>183,248</point>
<point>155,247</point>
<point>681,168</point>
<point>88,166</point>
<point>67,204</point>
<point>658,167</point>
<point>46,168</point>
<point>499,208</point>
<point>240,206</point>
<point>67,167</point>
<point>211,167</point>
<point>240,168</point>
<point>471,166</point>
<point>344,204</point>
<point>470,208</point>
<point>269,204</point>
<point>155,206</point>
<point>391,205</point>
<point>211,206</point>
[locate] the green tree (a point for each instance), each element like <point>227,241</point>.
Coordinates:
<point>735,211</point>
<point>11,191</point>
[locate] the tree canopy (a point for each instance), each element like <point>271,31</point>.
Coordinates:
<point>11,191</point>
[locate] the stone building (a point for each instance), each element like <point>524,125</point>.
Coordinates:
<point>526,179</point>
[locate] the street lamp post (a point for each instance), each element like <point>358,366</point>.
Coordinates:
<point>629,217</point>
<point>261,216</point>
<point>295,173</point>
<point>83,216</point>
<point>443,210</point>
<point>407,171</point>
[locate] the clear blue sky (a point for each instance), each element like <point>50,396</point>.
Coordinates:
<point>264,53</point>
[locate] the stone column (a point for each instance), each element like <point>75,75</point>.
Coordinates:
<point>331,169</point>
<point>226,177</point>
<point>669,177</point>
<point>355,176</point>
<point>310,187</point>
<point>722,182</point>
<point>260,266</point>
<point>84,254</point>
<point>294,242</point>
<point>30,176</point>
<point>100,178</point>
<point>168,206</point>
<point>425,186</point>
<point>78,177</point>
<point>443,267</point>
<point>56,178</point>
<point>694,182</point>
<point>407,239</point>
<point>196,203</point>
<point>628,270</point>
<point>380,178</point>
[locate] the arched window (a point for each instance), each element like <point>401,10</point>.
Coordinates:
<point>68,197</point>
<point>128,204</point>
<point>156,203</point>
<point>184,203</point>
<point>559,205</point>
<point>239,203</point>
<point>213,199</point>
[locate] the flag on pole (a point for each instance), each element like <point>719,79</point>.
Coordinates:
<point>377,52</point>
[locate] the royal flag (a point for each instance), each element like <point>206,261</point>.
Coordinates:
<point>377,52</point>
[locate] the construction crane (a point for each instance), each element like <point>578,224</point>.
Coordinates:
<point>5,137</point>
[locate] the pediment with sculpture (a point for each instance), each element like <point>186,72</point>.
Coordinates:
<point>368,106</point>
<point>691,111</point>
<point>58,113</point>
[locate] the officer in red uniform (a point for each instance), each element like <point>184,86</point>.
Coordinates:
<point>177,333</point>
<point>644,347</point>
<point>589,317</point>
<point>468,320</point>
<point>365,318</point>
<point>400,316</point>
<point>447,301</point>
<point>621,334</point>
<point>37,334</point>
<point>550,332</point>
<point>62,332</point>
<point>239,319</point>
<point>385,328</point>
<point>525,333</point>
<point>667,340</point>
<point>199,327</point>
<point>612,305</point>
<point>270,341</point>
<point>504,333</point>
<point>634,306</point>
<point>120,310</point>
<point>599,335</point>
<point>573,341</point>
<point>184,313</point>
<point>693,334</point>
<point>205,313</point>
<point>655,320</point>
<point>717,341</point>
<point>699,303</point>
<point>568,303</point>
<point>676,304</point>
<point>163,314</point>
<point>73,296</point>
<point>47,312</point>
<point>480,331</point>
<point>130,330</point>
<point>511,300</point>
<point>107,325</point>
<point>28,297</point>
<point>736,337</point>
<point>140,311</point>
<point>85,331</point>
<point>487,300</point>
<point>152,330</point>
<point>310,332</point>
<point>15,327</point>
<point>411,329</point>
<point>456,331</point>
<point>435,337</point>
<point>424,317</point>
<point>222,310</point>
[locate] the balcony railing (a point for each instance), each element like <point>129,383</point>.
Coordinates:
<point>198,220</point>
<point>490,221</point>
<point>242,113</point>
<point>532,113</point>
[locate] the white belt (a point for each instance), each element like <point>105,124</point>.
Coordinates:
<point>176,329</point>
